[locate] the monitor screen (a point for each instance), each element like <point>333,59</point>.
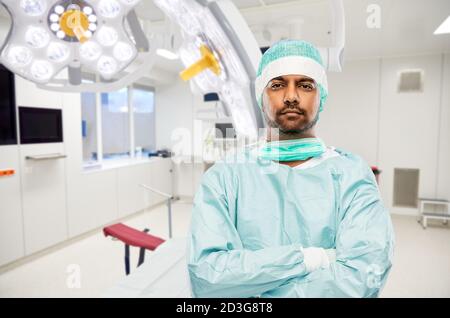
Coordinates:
<point>264,49</point>
<point>40,125</point>
<point>212,97</point>
<point>225,130</point>
<point>8,130</point>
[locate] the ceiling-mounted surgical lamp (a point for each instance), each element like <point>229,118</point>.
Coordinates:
<point>221,55</point>
<point>49,36</point>
<point>333,57</point>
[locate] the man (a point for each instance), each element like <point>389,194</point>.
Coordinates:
<point>291,217</point>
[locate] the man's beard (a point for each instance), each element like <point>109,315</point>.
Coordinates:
<point>290,132</point>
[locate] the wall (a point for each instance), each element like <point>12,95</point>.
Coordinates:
<point>350,117</point>
<point>180,113</point>
<point>366,115</point>
<point>174,110</point>
<point>443,167</point>
<point>409,125</point>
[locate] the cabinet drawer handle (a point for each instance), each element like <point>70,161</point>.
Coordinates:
<point>46,157</point>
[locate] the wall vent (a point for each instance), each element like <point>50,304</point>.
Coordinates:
<point>406,187</point>
<point>410,81</point>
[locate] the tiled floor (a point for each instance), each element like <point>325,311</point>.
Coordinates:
<point>421,268</point>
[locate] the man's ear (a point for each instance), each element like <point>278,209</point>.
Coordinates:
<point>263,105</point>
<point>318,99</point>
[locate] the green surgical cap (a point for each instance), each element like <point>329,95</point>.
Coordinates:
<point>289,57</point>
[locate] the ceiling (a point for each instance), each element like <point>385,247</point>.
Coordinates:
<point>148,10</point>
<point>406,26</point>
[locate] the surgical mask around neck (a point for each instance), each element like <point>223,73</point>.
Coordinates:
<point>292,150</point>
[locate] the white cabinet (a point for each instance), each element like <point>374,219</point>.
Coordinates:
<point>44,197</point>
<point>131,196</point>
<point>11,225</point>
<point>188,178</point>
<point>161,178</point>
<point>28,94</point>
<point>92,200</point>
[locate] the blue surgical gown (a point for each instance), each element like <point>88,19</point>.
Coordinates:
<point>251,219</point>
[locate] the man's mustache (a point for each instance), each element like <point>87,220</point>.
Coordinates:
<point>292,108</point>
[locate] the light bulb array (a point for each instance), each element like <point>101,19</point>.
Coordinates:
<point>48,36</point>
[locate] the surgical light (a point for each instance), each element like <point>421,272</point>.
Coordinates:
<point>37,37</point>
<point>109,8</point>
<point>19,56</point>
<point>33,7</point>
<point>58,52</point>
<point>107,65</point>
<point>167,54</point>
<point>41,70</point>
<point>123,52</point>
<point>218,50</point>
<point>90,51</point>
<point>48,36</point>
<point>107,36</point>
<point>59,9</point>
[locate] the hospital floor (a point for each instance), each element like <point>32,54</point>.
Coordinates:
<point>421,265</point>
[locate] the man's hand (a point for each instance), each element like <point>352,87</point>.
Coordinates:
<point>316,257</point>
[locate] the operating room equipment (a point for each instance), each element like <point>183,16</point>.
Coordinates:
<point>424,215</point>
<point>49,36</point>
<point>132,237</point>
<point>169,198</point>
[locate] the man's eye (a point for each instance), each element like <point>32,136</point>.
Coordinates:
<point>276,85</point>
<point>308,87</point>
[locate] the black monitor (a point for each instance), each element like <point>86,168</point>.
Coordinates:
<point>264,49</point>
<point>225,130</point>
<point>211,97</point>
<point>8,129</point>
<point>40,125</point>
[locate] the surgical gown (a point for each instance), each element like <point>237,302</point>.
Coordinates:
<point>251,219</point>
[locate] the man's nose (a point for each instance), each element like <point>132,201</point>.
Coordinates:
<point>291,96</point>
